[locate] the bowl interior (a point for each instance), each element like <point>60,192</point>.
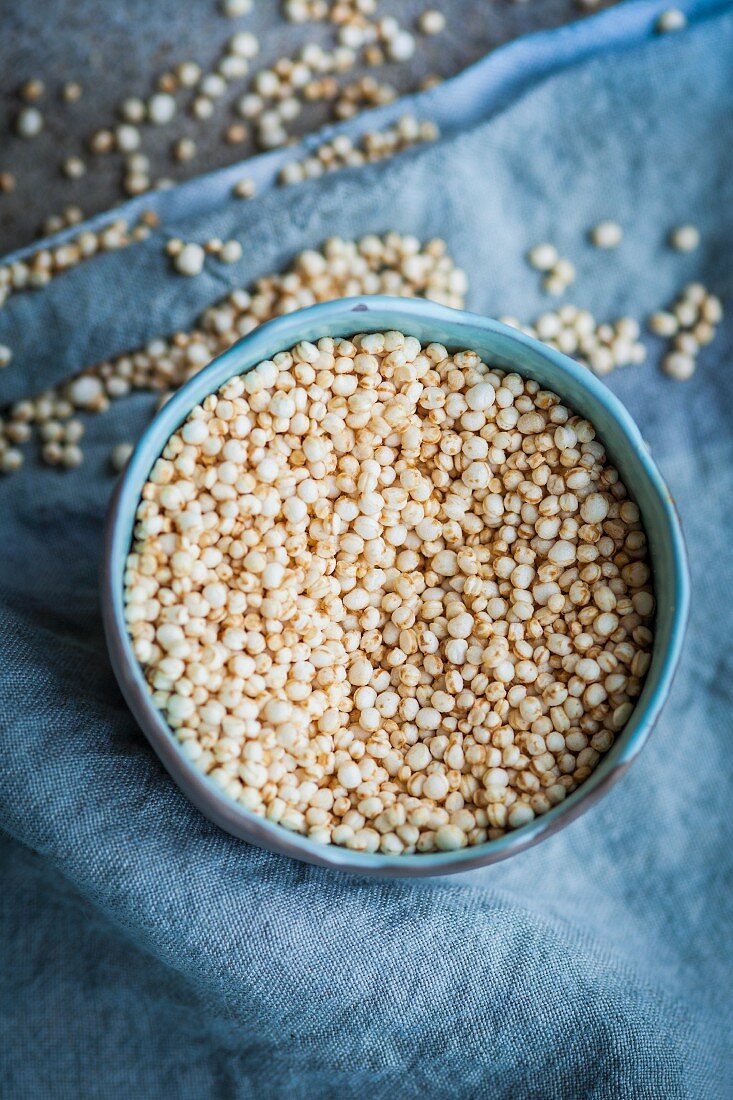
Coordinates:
<point>502,347</point>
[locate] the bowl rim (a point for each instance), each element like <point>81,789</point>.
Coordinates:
<point>261,343</point>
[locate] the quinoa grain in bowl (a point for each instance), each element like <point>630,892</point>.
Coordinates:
<point>389,596</point>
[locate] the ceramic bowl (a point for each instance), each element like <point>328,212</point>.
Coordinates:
<point>500,346</point>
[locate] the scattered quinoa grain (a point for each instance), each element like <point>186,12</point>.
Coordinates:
<point>101,142</point>
<point>245,44</point>
<point>11,460</point>
<point>679,366</point>
<point>71,456</point>
<point>213,85</point>
<point>244,189</point>
<point>671,20</point>
<point>202,107</point>
<point>431,22</point>
<point>188,73</point>
<point>230,252</point>
<point>662,323</point>
<point>120,456</point>
<point>564,271</point>
<point>184,149</point>
<point>606,234</point>
<point>85,391</point>
<point>29,122</point>
<point>71,92</point>
<point>234,9</point>
<point>74,168</point>
<point>133,110</point>
<point>685,238</point>
<point>236,133</point>
<point>189,260</point>
<point>32,90</point>
<point>161,108</point>
<point>543,257</point>
<point>690,324</point>
<point>372,146</point>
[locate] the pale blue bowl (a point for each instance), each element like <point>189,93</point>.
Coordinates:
<point>502,347</point>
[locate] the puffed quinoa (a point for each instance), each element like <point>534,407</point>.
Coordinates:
<point>74,168</point>
<point>543,257</point>
<point>184,149</point>
<point>389,596</point>
<point>71,92</point>
<point>230,252</point>
<point>342,152</point>
<point>32,90</point>
<point>120,455</point>
<point>685,238</point>
<point>600,346</point>
<point>679,365</point>
<point>29,122</point>
<point>245,188</point>
<point>689,323</point>
<point>189,260</point>
<point>161,108</point>
<point>397,264</point>
<point>233,9</point>
<point>431,22</point>
<point>671,20</point>
<point>606,234</point>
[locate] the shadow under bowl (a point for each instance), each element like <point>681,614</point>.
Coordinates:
<point>502,347</point>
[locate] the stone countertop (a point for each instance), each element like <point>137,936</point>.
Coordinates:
<point>118,49</point>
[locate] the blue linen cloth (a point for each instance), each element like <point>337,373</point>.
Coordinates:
<point>144,952</point>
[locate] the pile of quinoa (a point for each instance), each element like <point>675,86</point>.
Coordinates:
<point>390,596</point>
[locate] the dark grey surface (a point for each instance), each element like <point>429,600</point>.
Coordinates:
<point>118,49</point>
